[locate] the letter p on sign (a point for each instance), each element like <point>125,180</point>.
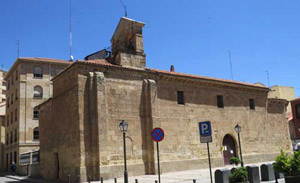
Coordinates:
<point>205,128</point>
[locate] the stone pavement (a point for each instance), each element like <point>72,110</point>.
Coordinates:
<point>200,175</point>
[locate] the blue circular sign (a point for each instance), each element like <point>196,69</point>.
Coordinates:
<point>157,134</point>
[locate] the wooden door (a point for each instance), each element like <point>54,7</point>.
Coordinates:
<point>229,148</point>
<point>56,165</point>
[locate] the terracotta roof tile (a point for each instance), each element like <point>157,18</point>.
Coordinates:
<point>296,99</point>
<point>45,60</point>
<point>38,60</point>
<point>106,63</point>
<point>204,77</point>
<point>100,61</point>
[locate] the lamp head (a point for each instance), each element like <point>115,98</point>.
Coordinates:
<point>123,126</point>
<point>237,128</point>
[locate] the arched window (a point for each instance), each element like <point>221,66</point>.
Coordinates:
<point>37,72</point>
<point>38,92</point>
<point>36,133</point>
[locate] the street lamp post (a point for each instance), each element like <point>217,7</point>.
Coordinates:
<point>238,130</point>
<point>123,128</point>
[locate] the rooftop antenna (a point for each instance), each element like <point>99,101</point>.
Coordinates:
<point>125,9</point>
<point>268,77</point>
<point>229,53</point>
<point>71,54</point>
<point>18,49</point>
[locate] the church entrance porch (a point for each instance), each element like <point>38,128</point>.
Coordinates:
<point>229,148</point>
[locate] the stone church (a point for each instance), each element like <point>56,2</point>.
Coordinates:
<point>79,133</point>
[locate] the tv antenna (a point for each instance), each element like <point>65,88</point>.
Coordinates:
<point>125,9</point>
<point>18,48</point>
<point>268,77</point>
<point>229,54</point>
<point>70,24</point>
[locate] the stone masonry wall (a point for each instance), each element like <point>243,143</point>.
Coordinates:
<point>260,130</point>
<point>91,110</point>
<point>59,130</point>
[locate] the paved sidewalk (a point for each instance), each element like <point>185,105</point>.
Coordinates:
<point>200,175</point>
<point>26,179</point>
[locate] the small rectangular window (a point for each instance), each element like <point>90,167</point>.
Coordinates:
<point>11,137</point>
<point>16,94</point>
<point>298,111</point>
<point>8,85</point>
<point>16,115</point>
<point>11,118</point>
<point>16,74</point>
<point>180,97</point>
<point>7,102</point>
<point>15,156</point>
<point>7,120</point>
<point>16,135</point>
<point>251,104</point>
<point>220,101</point>
<point>35,114</point>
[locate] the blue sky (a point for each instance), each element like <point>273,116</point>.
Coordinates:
<point>193,35</point>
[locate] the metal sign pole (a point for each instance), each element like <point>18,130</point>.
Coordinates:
<point>209,162</point>
<point>158,166</point>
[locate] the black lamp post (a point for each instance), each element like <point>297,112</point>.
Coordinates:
<point>123,128</point>
<point>238,130</point>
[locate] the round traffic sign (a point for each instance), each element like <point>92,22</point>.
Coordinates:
<point>157,134</point>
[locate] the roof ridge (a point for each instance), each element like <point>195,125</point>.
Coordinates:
<point>205,77</point>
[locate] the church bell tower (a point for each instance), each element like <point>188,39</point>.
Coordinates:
<point>127,44</point>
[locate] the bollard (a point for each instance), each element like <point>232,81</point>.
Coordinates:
<point>115,180</point>
<point>276,181</point>
<point>194,180</point>
<point>136,181</point>
<point>101,179</point>
<point>267,172</point>
<point>78,178</point>
<point>69,178</point>
<point>89,179</point>
<point>253,174</point>
<point>222,175</point>
<point>156,181</point>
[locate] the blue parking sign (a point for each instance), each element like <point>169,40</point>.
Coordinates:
<point>205,128</point>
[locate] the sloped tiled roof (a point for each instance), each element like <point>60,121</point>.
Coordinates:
<point>107,64</point>
<point>46,60</point>
<point>296,99</point>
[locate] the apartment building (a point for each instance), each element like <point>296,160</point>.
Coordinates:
<point>28,83</point>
